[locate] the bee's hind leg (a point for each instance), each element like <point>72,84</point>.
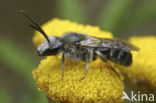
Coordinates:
<point>105,60</point>
<point>62,61</point>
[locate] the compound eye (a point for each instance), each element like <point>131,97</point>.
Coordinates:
<point>54,48</point>
<point>52,51</point>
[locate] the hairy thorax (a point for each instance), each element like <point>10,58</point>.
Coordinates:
<point>74,53</point>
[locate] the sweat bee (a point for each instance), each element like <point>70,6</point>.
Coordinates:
<point>82,47</point>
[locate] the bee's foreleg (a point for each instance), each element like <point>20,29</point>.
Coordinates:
<point>105,60</point>
<point>62,62</point>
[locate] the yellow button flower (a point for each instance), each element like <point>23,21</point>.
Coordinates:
<point>101,85</point>
<point>144,61</point>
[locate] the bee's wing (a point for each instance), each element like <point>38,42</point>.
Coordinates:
<point>94,42</point>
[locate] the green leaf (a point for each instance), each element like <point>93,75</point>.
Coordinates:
<point>35,97</point>
<point>21,62</point>
<point>72,10</point>
<point>5,96</point>
<point>109,18</point>
<point>17,58</point>
<point>144,14</point>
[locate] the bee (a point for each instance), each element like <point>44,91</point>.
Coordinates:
<point>83,47</point>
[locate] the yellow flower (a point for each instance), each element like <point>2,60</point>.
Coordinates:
<point>144,61</point>
<point>101,85</point>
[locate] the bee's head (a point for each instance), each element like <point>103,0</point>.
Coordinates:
<point>51,46</point>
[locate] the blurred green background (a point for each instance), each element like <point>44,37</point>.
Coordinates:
<point>18,56</point>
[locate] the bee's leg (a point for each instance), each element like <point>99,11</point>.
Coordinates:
<point>88,58</point>
<point>62,61</point>
<point>87,67</point>
<point>101,56</point>
<point>114,70</point>
<point>105,60</point>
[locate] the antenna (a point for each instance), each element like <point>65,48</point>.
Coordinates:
<point>35,26</point>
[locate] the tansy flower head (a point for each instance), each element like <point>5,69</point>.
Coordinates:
<point>101,85</point>
<point>144,61</point>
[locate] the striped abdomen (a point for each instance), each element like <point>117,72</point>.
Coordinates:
<point>118,56</point>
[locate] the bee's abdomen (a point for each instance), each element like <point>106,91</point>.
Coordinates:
<point>117,56</point>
